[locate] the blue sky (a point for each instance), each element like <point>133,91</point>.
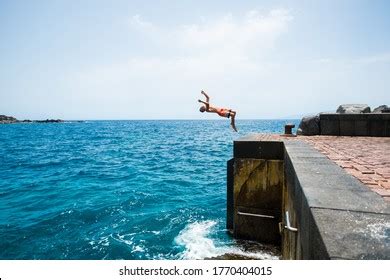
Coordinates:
<point>149,60</point>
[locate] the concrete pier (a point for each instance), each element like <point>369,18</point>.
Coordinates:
<point>255,174</point>
<point>322,212</point>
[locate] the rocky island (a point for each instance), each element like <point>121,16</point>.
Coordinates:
<point>8,119</point>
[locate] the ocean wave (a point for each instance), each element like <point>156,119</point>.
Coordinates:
<point>197,243</point>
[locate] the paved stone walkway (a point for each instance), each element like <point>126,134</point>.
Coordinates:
<point>366,158</point>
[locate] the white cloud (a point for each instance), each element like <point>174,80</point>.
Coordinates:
<point>232,58</point>
<point>378,58</point>
<point>228,35</point>
<point>138,23</point>
<point>216,54</point>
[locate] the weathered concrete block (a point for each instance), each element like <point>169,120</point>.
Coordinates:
<point>377,128</point>
<point>329,124</point>
<point>243,148</point>
<point>355,124</point>
<point>252,227</point>
<point>329,198</point>
<point>361,128</point>
<point>347,128</point>
<point>257,189</point>
<point>337,217</point>
<point>364,235</point>
<point>317,247</point>
<point>330,127</point>
<point>258,183</point>
<point>388,128</point>
<point>378,117</point>
<point>229,195</point>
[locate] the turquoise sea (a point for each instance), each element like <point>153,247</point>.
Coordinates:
<point>118,189</point>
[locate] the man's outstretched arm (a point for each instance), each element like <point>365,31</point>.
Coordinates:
<point>207,97</point>
<point>205,103</point>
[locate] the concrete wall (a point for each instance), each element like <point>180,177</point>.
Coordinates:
<point>254,193</point>
<point>355,124</point>
<point>336,216</point>
<point>257,196</point>
<point>333,211</point>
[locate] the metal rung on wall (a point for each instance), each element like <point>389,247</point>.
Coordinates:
<point>255,215</point>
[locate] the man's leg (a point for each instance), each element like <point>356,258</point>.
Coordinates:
<point>232,123</point>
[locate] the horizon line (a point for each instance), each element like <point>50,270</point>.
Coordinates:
<point>246,119</point>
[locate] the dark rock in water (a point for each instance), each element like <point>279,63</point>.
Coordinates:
<point>231,256</point>
<point>50,121</point>
<point>310,125</point>
<point>382,109</point>
<point>250,250</point>
<point>353,109</point>
<point>7,119</point>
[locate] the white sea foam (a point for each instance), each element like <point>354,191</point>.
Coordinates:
<point>128,240</point>
<point>104,241</point>
<point>195,238</point>
<point>138,248</point>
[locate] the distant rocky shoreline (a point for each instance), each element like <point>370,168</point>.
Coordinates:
<point>8,120</point>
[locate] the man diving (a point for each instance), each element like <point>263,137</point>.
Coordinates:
<point>225,113</point>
